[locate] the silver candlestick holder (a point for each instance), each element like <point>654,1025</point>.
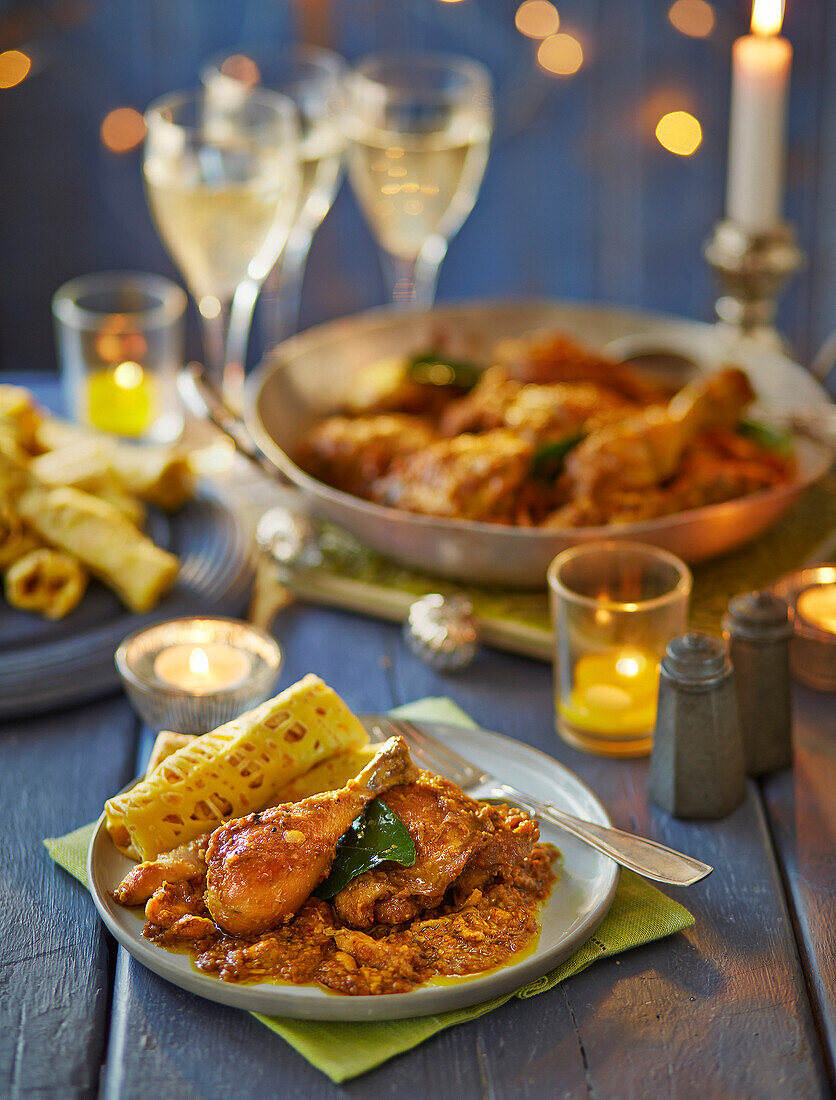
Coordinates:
<point>752,269</point>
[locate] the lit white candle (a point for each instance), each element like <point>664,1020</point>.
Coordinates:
<point>817,605</point>
<point>212,666</point>
<point>761,64</point>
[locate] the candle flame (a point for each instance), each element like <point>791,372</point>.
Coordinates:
<point>628,666</point>
<point>198,662</point>
<point>767,16</point>
<point>128,375</point>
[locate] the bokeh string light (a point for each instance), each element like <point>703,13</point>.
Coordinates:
<point>537,19</point>
<point>14,67</point>
<point>122,129</point>
<point>692,17</point>
<point>561,54</point>
<point>679,132</point>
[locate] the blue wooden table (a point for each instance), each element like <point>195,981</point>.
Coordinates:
<point>740,1005</point>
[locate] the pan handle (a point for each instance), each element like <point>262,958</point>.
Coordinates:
<point>203,401</point>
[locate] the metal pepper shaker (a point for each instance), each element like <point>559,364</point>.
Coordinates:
<point>757,628</point>
<point>696,769</point>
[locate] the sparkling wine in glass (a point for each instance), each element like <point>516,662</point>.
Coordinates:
<point>312,78</point>
<point>223,190</point>
<point>419,128</point>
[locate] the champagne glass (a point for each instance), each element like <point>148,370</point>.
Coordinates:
<point>312,78</point>
<point>419,127</point>
<point>222,188</point>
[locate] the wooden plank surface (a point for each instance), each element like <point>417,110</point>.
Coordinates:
<point>721,1010</point>
<point>55,975</point>
<point>801,805</point>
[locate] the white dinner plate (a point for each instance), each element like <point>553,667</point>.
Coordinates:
<point>578,903</point>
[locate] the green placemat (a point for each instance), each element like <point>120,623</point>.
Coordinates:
<point>639,914</point>
<point>355,577</point>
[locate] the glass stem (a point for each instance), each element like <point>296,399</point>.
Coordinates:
<point>411,283</point>
<point>225,338</point>
<point>282,296</point>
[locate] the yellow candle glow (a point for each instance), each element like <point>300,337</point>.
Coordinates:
<point>817,606</point>
<point>121,399</point>
<point>213,666</point>
<point>613,693</point>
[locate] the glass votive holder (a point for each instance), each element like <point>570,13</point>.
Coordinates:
<point>192,675</point>
<point>811,592</point>
<point>120,345</point>
<point>615,606</point>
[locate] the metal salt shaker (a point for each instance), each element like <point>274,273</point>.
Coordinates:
<point>442,631</point>
<point>757,628</point>
<point>696,769</point>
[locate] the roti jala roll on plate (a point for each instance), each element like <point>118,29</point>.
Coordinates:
<point>47,581</point>
<point>15,538</point>
<point>237,769</point>
<point>161,475</point>
<point>19,415</point>
<point>103,540</point>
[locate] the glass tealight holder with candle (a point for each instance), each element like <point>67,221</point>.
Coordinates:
<point>615,606</point>
<point>811,592</point>
<point>192,675</point>
<point>120,346</point>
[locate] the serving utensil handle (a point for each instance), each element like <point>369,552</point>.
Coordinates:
<point>645,857</point>
<point>203,401</point>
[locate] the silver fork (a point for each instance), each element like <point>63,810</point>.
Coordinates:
<point>645,857</point>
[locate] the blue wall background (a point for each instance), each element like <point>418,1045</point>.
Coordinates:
<point>579,200</point>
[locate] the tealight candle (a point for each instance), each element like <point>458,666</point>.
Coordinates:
<point>615,605</point>
<point>213,666</point>
<point>613,693</point>
<point>121,399</point>
<point>817,606</point>
<point>192,675</point>
<point>120,344</point>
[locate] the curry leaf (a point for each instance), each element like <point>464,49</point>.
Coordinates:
<point>767,436</point>
<point>548,460</point>
<point>376,836</point>
<point>432,369</point>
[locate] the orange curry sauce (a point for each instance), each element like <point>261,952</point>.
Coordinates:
<point>315,947</point>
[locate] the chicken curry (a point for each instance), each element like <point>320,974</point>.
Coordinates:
<point>241,900</point>
<point>550,434</point>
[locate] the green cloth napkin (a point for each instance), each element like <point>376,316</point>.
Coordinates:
<point>639,914</point>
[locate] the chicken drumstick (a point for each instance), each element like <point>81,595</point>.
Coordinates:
<point>263,867</point>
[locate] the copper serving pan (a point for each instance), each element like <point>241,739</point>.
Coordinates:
<point>305,377</point>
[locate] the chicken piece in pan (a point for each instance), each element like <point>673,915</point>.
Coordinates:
<point>352,454</point>
<point>543,414</point>
<point>484,408</point>
<point>615,472</point>
<point>471,477</point>
<point>540,413</point>
<point>544,357</point>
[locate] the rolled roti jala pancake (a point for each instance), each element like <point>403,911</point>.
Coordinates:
<point>15,539</point>
<point>160,475</point>
<point>238,768</point>
<point>327,775</point>
<point>19,415</point>
<point>103,540</point>
<point>47,581</point>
